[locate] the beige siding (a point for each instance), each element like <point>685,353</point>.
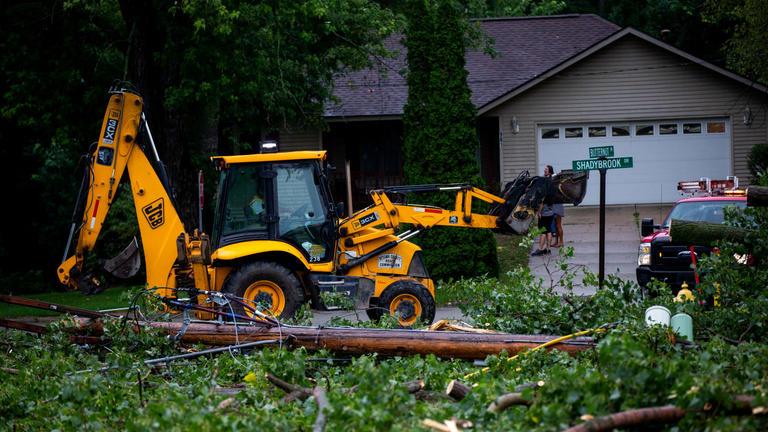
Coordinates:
<point>293,140</point>
<point>629,80</point>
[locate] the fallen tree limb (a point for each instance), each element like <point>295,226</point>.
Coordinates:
<point>38,304</point>
<point>635,417</point>
<point>74,338</point>
<point>740,404</point>
<point>507,400</point>
<point>703,233</point>
<point>322,404</point>
<point>757,196</point>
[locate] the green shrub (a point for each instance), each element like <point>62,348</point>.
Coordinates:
<point>757,161</point>
<point>440,140</point>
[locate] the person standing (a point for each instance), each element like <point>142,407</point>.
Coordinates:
<point>557,231</point>
<point>545,216</point>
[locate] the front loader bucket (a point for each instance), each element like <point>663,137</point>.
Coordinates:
<point>572,185</point>
<point>127,263</point>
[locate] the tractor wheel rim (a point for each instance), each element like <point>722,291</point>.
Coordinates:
<point>404,301</point>
<point>260,289</point>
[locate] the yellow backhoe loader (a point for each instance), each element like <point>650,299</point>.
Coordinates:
<point>278,239</point>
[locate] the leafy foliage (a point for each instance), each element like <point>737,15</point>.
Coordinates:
<point>439,134</point>
<point>747,47</point>
<point>633,366</point>
<point>757,161</point>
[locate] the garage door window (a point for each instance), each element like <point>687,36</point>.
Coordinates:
<point>598,131</point>
<point>668,129</point>
<point>691,128</point>
<point>574,132</point>
<point>644,130</point>
<point>550,133</point>
<point>716,127</point>
<point>619,131</point>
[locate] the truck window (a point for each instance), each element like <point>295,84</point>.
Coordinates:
<point>700,211</point>
<point>302,212</point>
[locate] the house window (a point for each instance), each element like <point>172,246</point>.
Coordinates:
<point>641,130</point>
<point>716,127</point>
<point>550,133</point>
<point>598,131</point>
<point>691,128</point>
<point>668,129</point>
<point>574,132</point>
<point>620,131</point>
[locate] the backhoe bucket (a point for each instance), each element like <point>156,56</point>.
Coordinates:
<point>127,263</point>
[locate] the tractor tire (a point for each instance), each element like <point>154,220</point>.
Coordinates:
<point>408,301</point>
<point>269,285</point>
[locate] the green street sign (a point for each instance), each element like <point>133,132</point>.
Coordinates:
<point>596,152</point>
<point>596,164</point>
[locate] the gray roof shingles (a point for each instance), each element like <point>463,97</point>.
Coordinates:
<point>527,47</point>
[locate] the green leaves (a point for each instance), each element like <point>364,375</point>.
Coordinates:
<point>440,139</point>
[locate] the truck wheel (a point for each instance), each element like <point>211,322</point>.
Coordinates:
<point>408,301</point>
<point>268,287</point>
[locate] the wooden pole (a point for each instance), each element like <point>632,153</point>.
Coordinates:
<point>348,172</point>
<point>389,342</point>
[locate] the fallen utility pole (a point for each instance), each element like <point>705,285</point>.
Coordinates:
<point>388,342</point>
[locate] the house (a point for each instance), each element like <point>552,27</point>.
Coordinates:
<point>560,85</point>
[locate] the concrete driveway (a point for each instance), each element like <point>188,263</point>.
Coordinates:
<point>581,231</point>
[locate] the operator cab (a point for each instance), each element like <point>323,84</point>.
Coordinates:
<point>275,196</point>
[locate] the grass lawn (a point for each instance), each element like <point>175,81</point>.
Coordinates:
<point>115,297</point>
<point>510,256</point>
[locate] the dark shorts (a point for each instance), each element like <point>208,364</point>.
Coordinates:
<point>546,223</point>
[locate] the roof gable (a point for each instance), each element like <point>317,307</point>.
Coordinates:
<point>528,47</point>
<point>627,32</point>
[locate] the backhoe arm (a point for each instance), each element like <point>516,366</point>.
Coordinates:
<point>159,222</point>
<point>513,212</point>
<point>391,215</point>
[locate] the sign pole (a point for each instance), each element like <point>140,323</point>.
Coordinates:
<point>601,268</point>
<point>601,159</point>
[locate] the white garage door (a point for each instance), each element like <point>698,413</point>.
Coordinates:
<point>664,152</point>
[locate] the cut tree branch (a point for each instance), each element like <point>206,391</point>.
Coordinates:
<point>322,405</point>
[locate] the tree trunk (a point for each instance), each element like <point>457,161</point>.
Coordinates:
<point>703,233</point>
<point>154,62</point>
<point>757,196</point>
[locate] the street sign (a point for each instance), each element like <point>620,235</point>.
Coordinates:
<point>596,164</point>
<point>596,152</point>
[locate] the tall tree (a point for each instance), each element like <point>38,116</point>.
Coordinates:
<point>230,72</point>
<point>215,75</point>
<point>440,139</point>
<point>746,50</point>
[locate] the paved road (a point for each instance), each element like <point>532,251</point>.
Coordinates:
<point>324,317</point>
<point>581,231</point>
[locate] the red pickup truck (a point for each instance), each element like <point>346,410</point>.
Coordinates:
<point>662,259</point>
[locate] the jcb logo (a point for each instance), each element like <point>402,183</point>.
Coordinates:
<point>154,213</point>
